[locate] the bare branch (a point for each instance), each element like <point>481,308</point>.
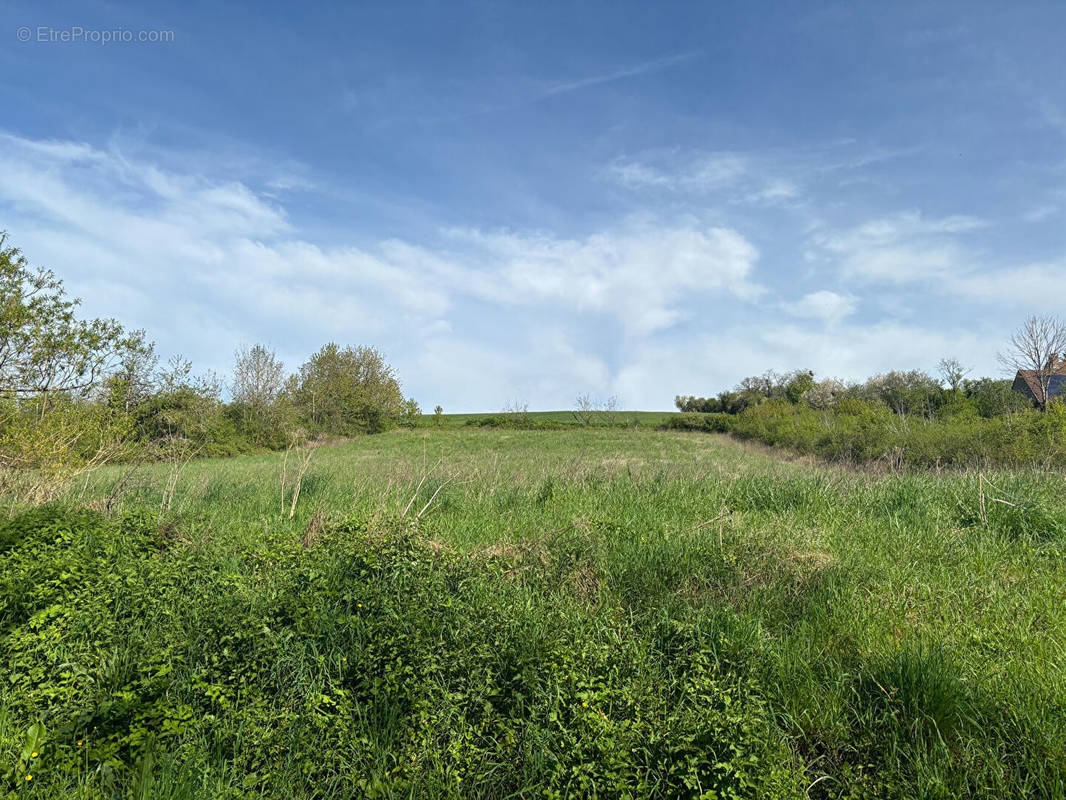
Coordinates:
<point>1038,346</point>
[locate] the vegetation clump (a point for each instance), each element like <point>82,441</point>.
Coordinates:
<point>585,612</point>
<point>76,393</point>
<point>896,419</point>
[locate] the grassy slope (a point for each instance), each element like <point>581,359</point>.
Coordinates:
<point>643,419</point>
<point>608,610</point>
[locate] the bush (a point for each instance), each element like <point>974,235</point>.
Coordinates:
<point>346,391</point>
<point>993,398</point>
<point>716,423</point>
<point>365,664</point>
<point>860,431</point>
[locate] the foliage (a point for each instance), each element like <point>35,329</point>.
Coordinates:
<point>348,390</point>
<point>258,376</point>
<point>910,393</point>
<point>592,612</point>
<point>52,363</point>
<point>48,440</point>
<point>859,431</point>
<point>993,398</point>
<point>44,347</point>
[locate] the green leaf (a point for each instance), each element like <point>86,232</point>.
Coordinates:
<point>35,738</point>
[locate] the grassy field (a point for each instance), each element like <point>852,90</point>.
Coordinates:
<point>631,419</point>
<point>464,612</point>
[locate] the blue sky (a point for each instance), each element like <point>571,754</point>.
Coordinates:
<point>528,201</point>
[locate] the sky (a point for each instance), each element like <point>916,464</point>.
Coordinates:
<point>524,202</point>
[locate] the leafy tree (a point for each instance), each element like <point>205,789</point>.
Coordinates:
<point>347,391</point>
<point>993,398</point>
<point>134,379</point>
<point>260,409</point>
<point>44,347</point>
<point>258,376</point>
<point>798,385</point>
<point>824,394</point>
<point>53,367</point>
<point>907,393</point>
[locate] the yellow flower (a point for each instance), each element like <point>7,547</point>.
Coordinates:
<point>360,605</point>
<point>33,755</point>
<point>79,744</point>
<point>29,777</point>
<point>584,704</point>
<point>344,659</point>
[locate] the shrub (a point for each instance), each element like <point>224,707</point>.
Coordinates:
<point>824,394</point>
<point>717,423</point>
<point>993,398</point>
<point>344,391</point>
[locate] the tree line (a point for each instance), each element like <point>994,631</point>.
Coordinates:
<point>908,393</point>
<point>75,393</point>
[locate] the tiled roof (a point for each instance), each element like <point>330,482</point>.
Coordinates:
<point>1031,377</point>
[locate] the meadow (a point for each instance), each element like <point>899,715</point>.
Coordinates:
<point>456,611</point>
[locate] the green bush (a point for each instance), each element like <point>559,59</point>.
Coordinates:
<point>862,431</point>
<point>367,665</point>
<point>693,421</point>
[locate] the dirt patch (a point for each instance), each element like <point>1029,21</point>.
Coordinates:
<point>315,527</point>
<point>437,547</point>
<point>584,582</point>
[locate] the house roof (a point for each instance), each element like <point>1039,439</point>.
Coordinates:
<point>1031,378</point>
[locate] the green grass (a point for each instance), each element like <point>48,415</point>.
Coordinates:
<point>590,612</point>
<point>632,419</point>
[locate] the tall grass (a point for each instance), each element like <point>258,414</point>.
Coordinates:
<point>859,432</point>
<point>594,612</point>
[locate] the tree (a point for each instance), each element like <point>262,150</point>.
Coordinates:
<point>44,347</point>
<point>134,379</point>
<point>952,371</point>
<point>350,390</point>
<point>906,393</point>
<point>258,376</point>
<point>585,407</point>
<point>824,394</point>
<point>54,370</point>
<point>1038,346</point>
<point>798,384</point>
<point>993,398</point>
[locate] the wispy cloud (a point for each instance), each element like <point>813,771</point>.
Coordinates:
<point>824,305</point>
<point>616,75</point>
<point>202,263</point>
<point>901,248</point>
<point>703,172</point>
<point>638,306</point>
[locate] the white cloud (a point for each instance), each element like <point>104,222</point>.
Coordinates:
<point>204,264</point>
<point>1033,286</point>
<point>900,249</point>
<point>735,178</point>
<point>777,189</point>
<point>637,274</point>
<point>475,318</point>
<point>705,172</point>
<point>825,305</point>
